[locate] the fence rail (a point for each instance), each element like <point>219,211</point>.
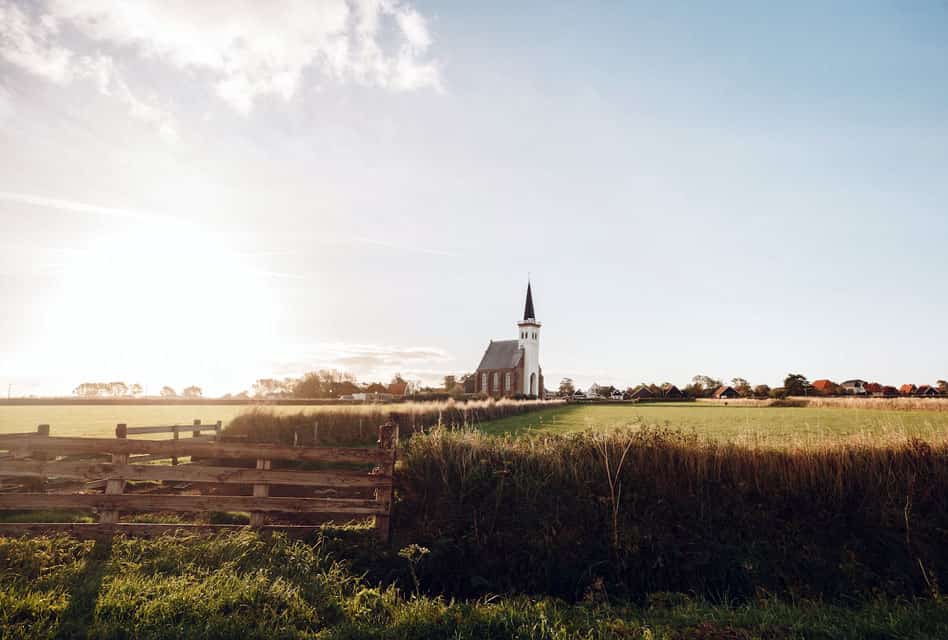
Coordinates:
<point>34,456</point>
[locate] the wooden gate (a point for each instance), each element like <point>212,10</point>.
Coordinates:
<point>40,456</point>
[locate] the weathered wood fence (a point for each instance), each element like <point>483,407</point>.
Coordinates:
<point>41,456</point>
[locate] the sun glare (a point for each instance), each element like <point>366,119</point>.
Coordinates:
<point>160,300</point>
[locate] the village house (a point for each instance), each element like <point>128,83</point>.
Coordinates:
<point>824,386</point>
<point>854,387</point>
<point>908,389</point>
<point>512,367</point>
<point>725,392</point>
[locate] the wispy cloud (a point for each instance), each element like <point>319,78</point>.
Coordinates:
<point>60,204</point>
<point>247,50</point>
<point>366,361</point>
<point>34,43</point>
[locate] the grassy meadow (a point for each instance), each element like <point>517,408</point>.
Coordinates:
<point>739,423</point>
<point>736,422</point>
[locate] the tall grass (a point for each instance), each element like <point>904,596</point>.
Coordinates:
<point>359,424</point>
<point>885,404</point>
<point>655,510</point>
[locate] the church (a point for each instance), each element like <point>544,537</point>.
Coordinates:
<point>512,367</point>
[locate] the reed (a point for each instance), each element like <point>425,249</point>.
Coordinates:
<point>359,424</point>
<point>547,515</point>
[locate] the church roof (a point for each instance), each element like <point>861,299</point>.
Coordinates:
<point>528,313</point>
<point>501,354</point>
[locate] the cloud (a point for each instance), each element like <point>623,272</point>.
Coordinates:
<point>366,361</point>
<point>250,49</point>
<point>30,42</point>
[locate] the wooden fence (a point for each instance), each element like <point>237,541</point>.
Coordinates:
<point>39,456</point>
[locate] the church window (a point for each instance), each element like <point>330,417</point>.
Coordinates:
<point>496,380</point>
<point>483,382</point>
<point>507,381</point>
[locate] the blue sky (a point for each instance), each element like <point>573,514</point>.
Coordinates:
<point>207,194</point>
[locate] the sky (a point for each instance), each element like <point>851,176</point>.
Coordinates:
<point>210,193</point>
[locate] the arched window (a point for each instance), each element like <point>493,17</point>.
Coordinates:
<point>484,382</point>
<point>507,381</point>
<point>496,380</point>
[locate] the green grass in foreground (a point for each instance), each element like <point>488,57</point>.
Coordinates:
<point>239,585</point>
<point>733,423</point>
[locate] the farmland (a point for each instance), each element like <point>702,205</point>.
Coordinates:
<point>736,422</point>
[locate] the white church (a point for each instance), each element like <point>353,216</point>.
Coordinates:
<point>512,367</point>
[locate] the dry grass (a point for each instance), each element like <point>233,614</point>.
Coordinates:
<point>678,514</point>
<point>884,404</point>
<point>359,424</point>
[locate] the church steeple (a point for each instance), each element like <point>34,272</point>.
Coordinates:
<point>528,313</point>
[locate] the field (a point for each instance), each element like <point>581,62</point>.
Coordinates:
<point>736,423</point>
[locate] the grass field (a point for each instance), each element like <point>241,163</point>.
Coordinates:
<point>99,420</point>
<point>742,424</point>
<point>736,423</point>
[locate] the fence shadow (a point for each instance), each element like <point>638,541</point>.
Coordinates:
<point>77,618</point>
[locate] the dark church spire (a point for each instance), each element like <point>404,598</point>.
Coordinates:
<point>528,313</point>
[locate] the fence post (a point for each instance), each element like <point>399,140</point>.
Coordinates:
<point>42,430</point>
<point>388,439</point>
<point>218,428</point>
<point>115,486</point>
<point>174,435</point>
<point>197,431</point>
<point>259,518</point>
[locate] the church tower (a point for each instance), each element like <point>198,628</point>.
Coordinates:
<point>529,341</point>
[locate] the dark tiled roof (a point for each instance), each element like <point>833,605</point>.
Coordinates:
<point>502,354</point>
<point>528,313</point>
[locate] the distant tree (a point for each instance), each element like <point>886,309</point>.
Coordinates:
<point>168,392</point>
<point>702,386</point>
<point>762,391</point>
<point>136,389</point>
<point>942,386</point>
<point>593,391</point>
<point>243,395</point>
<point>309,386</point>
<point>118,389</point>
<point>265,387</point>
<point>778,393</point>
<point>87,390</point>
<point>191,392</point>
<point>567,388</point>
<point>396,379</point>
<point>449,382</point>
<point>796,384</point>
<point>742,386</point>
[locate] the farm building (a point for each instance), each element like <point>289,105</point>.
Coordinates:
<point>671,391</point>
<point>927,391</point>
<point>854,387</point>
<point>725,392</point>
<point>641,392</point>
<point>512,367</point>
<point>824,386</point>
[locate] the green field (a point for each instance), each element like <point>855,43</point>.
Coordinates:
<point>747,424</point>
<point>733,423</point>
<point>100,420</point>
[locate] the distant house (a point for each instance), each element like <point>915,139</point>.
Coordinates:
<point>889,392</point>
<point>874,388</point>
<point>376,387</point>
<point>344,388</point>
<point>908,389</point>
<point>671,391</point>
<point>641,392</point>
<point>854,387</point>
<point>927,391</point>
<point>824,386</point>
<point>725,392</point>
<point>399,389</point>
<point>616,395</point>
